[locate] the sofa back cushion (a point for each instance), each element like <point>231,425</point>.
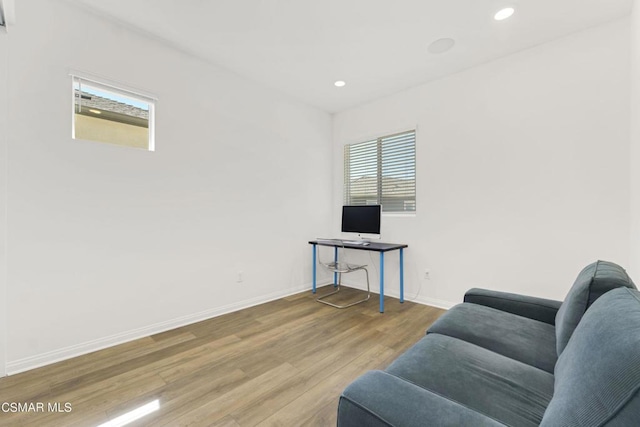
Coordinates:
<point>597,377</point>
<point>593,281</point>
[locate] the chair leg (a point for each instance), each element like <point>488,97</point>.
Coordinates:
<point>321,299</point>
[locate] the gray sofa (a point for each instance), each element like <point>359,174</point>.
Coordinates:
<point>501,359</point>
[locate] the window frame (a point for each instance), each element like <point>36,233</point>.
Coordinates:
<point>118,89</point>
<point>378,140</point>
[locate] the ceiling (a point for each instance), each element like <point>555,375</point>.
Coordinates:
<point>378,47</point>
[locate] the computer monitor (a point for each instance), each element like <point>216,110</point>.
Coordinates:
<point>363,220</point>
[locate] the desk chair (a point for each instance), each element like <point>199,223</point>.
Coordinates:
<point>339,265</point>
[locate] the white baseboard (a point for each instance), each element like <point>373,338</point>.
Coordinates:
<point>50,357</point>
<point>438,303</point>
<point>446,305</point>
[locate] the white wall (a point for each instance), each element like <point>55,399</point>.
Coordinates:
<point>522,168</point>
<point>4,50</point>
<point>523,178</point>
<point>634,263</point>
<point>109,243</point>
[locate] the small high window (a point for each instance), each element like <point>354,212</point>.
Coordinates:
<point>105,113</point>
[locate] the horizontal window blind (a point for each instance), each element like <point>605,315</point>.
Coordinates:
<point>382,171</point>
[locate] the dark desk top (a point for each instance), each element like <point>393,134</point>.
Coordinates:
<point>372,246</point>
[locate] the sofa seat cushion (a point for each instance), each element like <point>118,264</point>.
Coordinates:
<point>526,340</point>
<point>378,399</point>
<point>496,386</point>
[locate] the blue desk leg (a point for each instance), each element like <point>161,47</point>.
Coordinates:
<point>381,282</point>
<point>401,275</point>
<point>314,268</point>
<point>335,258</point>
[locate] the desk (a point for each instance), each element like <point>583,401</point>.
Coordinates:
<point>374,247</point>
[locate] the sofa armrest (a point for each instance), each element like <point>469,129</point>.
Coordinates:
<point>543,310</point>
<point>378,399</point>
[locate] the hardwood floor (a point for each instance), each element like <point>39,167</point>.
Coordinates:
<point>283,363</point>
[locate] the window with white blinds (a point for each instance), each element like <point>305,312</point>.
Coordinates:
<point>382,171</point>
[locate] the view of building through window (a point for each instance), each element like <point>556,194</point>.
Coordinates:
<point>382,171</point>
<point>106,114</point>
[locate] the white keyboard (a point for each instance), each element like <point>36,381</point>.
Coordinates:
<point>344,242</point>
<point>355,242</point>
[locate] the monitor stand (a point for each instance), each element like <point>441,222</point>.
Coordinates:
<point>369,237</point>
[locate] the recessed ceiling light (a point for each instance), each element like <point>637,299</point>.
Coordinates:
<point>95,111</point>
<point>441,45</point>
<point>504,14</point>
<point>339,83</point>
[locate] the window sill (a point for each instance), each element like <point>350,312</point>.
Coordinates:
<point>399,214</point>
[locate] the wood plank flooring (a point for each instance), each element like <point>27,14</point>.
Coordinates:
<point>282,363</point>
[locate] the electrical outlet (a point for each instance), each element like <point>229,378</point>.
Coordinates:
<point>427,274</point>
<point>239,279</point>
